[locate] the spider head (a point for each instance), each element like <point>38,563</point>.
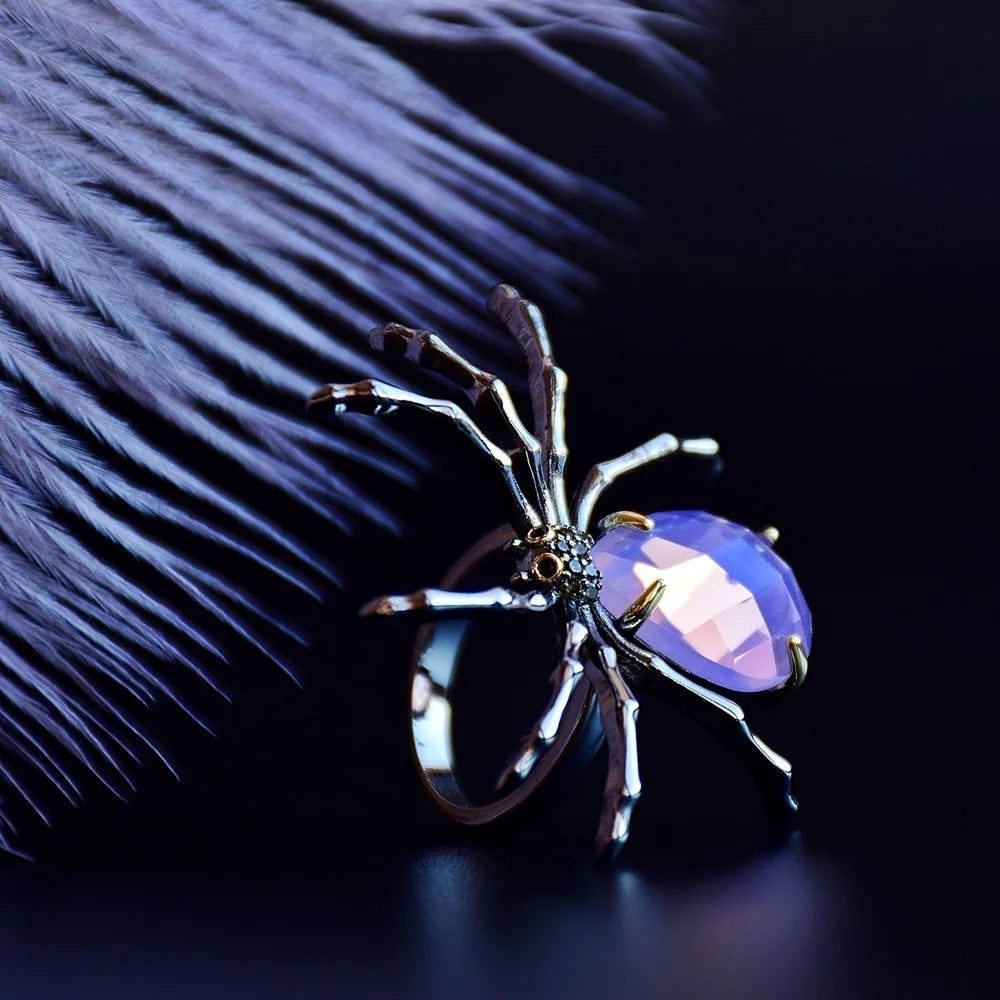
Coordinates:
<point>557,557</point>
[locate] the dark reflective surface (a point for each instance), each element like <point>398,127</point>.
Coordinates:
<point>446,922</point>
<point>815,288</point>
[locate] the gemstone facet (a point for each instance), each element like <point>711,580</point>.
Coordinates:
<point>730,602</point>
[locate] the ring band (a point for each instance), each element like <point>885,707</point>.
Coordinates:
<point>436,659</point>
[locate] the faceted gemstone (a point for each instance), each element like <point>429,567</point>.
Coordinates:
<point>730,602</point>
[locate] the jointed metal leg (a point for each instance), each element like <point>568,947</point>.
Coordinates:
<point>727,720</point>
<point>531,463</point>
<point>374,398</point>
<point>602,475</point>
<point>564,680</point>
<point>619,712</point>
<point>437,603</point>
<point>547,384</point>
<point>487,393</point>
<point>717,713</point>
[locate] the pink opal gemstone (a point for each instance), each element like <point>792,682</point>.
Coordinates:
<point>730,602</point>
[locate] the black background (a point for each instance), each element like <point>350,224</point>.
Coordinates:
<point>813,284</point>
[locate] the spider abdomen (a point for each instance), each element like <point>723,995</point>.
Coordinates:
<point>728,607</point>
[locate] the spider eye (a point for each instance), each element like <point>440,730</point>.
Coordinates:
<point>546,566</point>
<point>540,533</point>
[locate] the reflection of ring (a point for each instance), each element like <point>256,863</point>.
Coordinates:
<point>681,601</point>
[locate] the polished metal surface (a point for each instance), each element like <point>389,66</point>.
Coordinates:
<point>797,656</point>
<point>619,713</point>
<point>565,679</point>
<point>642,607</point>
<point>602,475</point>
<point>769,536</point>
<point>624,519</point>
<point>570,733</point>
<point>714,710</point>
<point>438,603</point>
<point>601,665</point>
<point>377,398</point>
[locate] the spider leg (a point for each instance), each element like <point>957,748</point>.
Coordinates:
<point>373,397</point>
<point>547,384</point>
<point>726,719</point>
<point>564,681</point>
<point>719,714</point>
<point>602,475</point>
<point>437,603</point>
<point>487,392</point>
<point>619,712</point>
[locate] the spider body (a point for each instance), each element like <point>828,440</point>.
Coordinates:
<point>556,572</point>
<point>557,558</point>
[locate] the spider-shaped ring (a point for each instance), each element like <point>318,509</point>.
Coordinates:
<point>680,602</point>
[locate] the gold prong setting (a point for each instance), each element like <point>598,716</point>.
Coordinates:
<point>642,607</point>
<point>624,519</point>
<point>769,536</point>
<point>539,534</point>
<point>799,663</point>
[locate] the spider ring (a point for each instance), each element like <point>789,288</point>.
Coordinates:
<point>682,603</point>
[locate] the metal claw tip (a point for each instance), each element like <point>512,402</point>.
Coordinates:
<point>700,446</point>
<point>380,606</point>
<point>500,294</point>
<point>800,665</point>
<point>370,608</point>
<point>322,396</point>
<point>769,535</point>
<point>607,849</point>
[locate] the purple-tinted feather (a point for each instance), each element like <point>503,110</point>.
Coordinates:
<point>203,204</point>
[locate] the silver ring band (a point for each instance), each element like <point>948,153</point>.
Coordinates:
<point>435,664</point>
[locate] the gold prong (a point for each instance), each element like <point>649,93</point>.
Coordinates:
<point>769,535</point>
<point>624,519</point>
<point>539,534</point>
<point>797,656</point>
<point>642,607</point>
